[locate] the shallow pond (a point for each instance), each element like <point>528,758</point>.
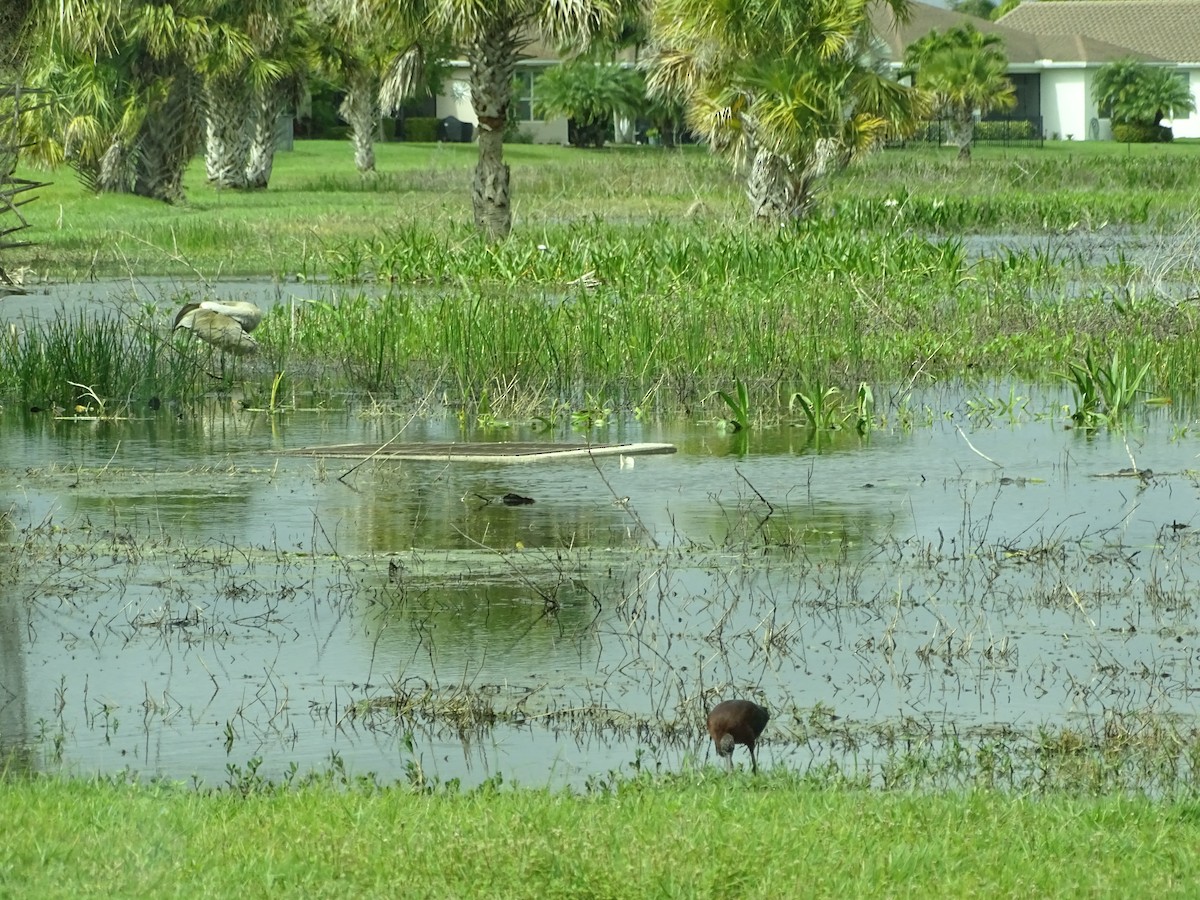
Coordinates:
<point>185,596</point>
<point>47,301</point>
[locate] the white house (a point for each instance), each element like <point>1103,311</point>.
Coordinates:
<point>455,99</point>
<point>1167,30</point>
<point>1052,72</point>
<point>1054,50</point>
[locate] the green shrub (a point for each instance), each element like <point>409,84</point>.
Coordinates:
<point>1142,133</point>
<point>589,95</point>
<point>421,128</point>
<point>1007,130</point>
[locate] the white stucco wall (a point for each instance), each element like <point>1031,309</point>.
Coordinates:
<point>1067,105</point>
<point>455,100</point>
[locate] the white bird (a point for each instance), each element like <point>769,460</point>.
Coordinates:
<point>226,324</point>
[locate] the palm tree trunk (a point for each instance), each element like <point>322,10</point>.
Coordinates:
<point>168,139</point>
<point>782,190</point>
<point>112,173</point>
<point>226,133</point>
<point>769,188</point>
<point>265,107</point>
<point>964,133</point>
<point>493,58</point>
<point>360,111</point>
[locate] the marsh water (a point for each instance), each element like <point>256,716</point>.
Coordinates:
<point>187,595</point>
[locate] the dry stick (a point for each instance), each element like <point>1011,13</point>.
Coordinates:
<point>976,450</point>
<point>921,366</point>
<point>765,501</point>
<point>382,447</point>
<point>110,459</point>
<point>1129,453</point>
<point>174,255</point>
<point>212,678</point>
<point>377,450</point>
<point>549,603</point>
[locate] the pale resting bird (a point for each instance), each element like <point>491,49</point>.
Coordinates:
<point>226,324</point>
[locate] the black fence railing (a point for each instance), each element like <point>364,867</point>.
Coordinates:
<point>1010,130</point>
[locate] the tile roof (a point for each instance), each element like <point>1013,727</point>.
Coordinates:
<point>1167,29</point>
<point>1021,45</point>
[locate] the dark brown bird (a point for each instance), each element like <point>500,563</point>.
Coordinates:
<point>737,722</point>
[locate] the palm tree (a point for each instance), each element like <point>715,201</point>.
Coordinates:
<point>12,33</point>
<point>491,35</point>
<point>964,70</point>
<point>227,92</point>
<point>590,94</point>
<point>788,91</point>
<point>138,83</point>
<point>980,9</point>
<point>127,94</point>
<point>15,103</point>
<point>1164,94</point>
<point>357,55</point>
<point>282,36</point>
<point>1139,94</point>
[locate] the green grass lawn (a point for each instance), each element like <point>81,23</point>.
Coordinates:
<point>317,203</point>
<point>707,835</point>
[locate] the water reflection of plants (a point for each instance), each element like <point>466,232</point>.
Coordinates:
<point>467,645</point>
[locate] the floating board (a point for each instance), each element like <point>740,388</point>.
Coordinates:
<point>480,452</point>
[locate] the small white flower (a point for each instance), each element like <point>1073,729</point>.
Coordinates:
<point>891,201</point>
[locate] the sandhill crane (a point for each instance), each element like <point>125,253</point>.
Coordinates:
<point>226,324</point>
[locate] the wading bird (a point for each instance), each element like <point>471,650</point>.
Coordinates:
<point>737,722</point>
<point>226,324</point>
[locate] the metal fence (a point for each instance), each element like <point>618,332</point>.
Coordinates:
<point>1025,131</point>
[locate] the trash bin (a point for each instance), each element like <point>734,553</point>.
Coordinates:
<point>455,131</point>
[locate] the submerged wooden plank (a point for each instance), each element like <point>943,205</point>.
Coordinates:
<point>480,452</point>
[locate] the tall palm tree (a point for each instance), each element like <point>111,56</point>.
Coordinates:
<point>127,93</point>
<point>15,103</point>
<point>786,90</point>
<point>226,76</point>
<point>964,70</point>
<point>358,56</point>
<point>282,37</point>
<point>491,35</point>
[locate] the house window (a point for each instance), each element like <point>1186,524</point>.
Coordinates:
<point>523,86</point>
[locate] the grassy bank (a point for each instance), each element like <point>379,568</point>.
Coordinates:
<point>703,835</point>
<point>319,210</point>
<point>632,282</point>
<point>678,314</point>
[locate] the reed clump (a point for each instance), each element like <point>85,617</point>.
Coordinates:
<point>652,307</point>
